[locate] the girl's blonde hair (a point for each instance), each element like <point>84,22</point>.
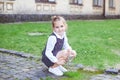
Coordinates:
<point>58,18</point>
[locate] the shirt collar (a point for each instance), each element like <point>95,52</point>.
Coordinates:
<point>58,36</point>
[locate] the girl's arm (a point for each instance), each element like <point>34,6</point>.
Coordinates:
<point>50,46</point>
<point>66,44</point>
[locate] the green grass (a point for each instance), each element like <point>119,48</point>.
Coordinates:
<point>96,42</point>
<point>77,76</point>
<point>15,37</point>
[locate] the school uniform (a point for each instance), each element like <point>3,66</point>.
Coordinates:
<point>54,44</point>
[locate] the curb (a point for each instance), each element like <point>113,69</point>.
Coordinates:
<point>20,54</point>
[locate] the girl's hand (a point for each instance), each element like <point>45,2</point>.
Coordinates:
<point>72,53</point>
<point>62,62</point>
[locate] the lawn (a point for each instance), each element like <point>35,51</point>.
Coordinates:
<point>97,42</point>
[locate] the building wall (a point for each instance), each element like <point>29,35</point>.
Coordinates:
<point>114,10</point>
<point>109,11</point>
<point>87,7</point>
<point>23,7</point>
<point>60,7</point>
<point>45,8</point>
<point>117,7</point>
<point>6,6</point>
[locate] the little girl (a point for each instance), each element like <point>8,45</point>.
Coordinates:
<point>57,50</point>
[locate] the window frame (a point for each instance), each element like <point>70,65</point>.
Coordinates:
<point>97,3</point>
<point>45,1</point>
<point>1,6</point>
<point>111,4</point>
<point>7,4</point>
<point>76,2</point>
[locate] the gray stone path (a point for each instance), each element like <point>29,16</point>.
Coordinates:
<point>26,67</point>
<point>105,77</point>
<point>18,68</point>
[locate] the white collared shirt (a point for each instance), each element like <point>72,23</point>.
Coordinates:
<point>51,44</point>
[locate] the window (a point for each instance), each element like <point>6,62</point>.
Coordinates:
<point>97,3</point>
<point>1,6</point>
<point>6,5</point>
<point>78,2</point>
<point>9,6</point>
<point>51,0</point>
<point>111,4</point>
<point>38,7</point>
<point>44,1</point>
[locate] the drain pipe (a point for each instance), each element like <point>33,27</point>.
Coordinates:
<point>104,3</point>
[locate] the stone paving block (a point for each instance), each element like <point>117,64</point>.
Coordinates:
<point>2,71</point>
<point>5,76</point>
<point>20,68</point>
<point>111,71</point>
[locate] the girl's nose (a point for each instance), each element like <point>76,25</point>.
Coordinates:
<point>60,29</point>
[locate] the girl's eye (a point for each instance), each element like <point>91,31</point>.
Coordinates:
<point>57,27</point>
<point>61,25</point>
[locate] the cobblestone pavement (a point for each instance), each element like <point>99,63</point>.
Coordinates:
<point>105,77</point>
<point>14,67</point>
<point>18,68</point>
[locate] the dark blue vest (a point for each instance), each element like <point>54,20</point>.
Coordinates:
<point>58,46</point>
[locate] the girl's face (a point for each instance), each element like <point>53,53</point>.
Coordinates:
<point>59,27</point>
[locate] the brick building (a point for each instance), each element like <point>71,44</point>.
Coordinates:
<point>61,7</point>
